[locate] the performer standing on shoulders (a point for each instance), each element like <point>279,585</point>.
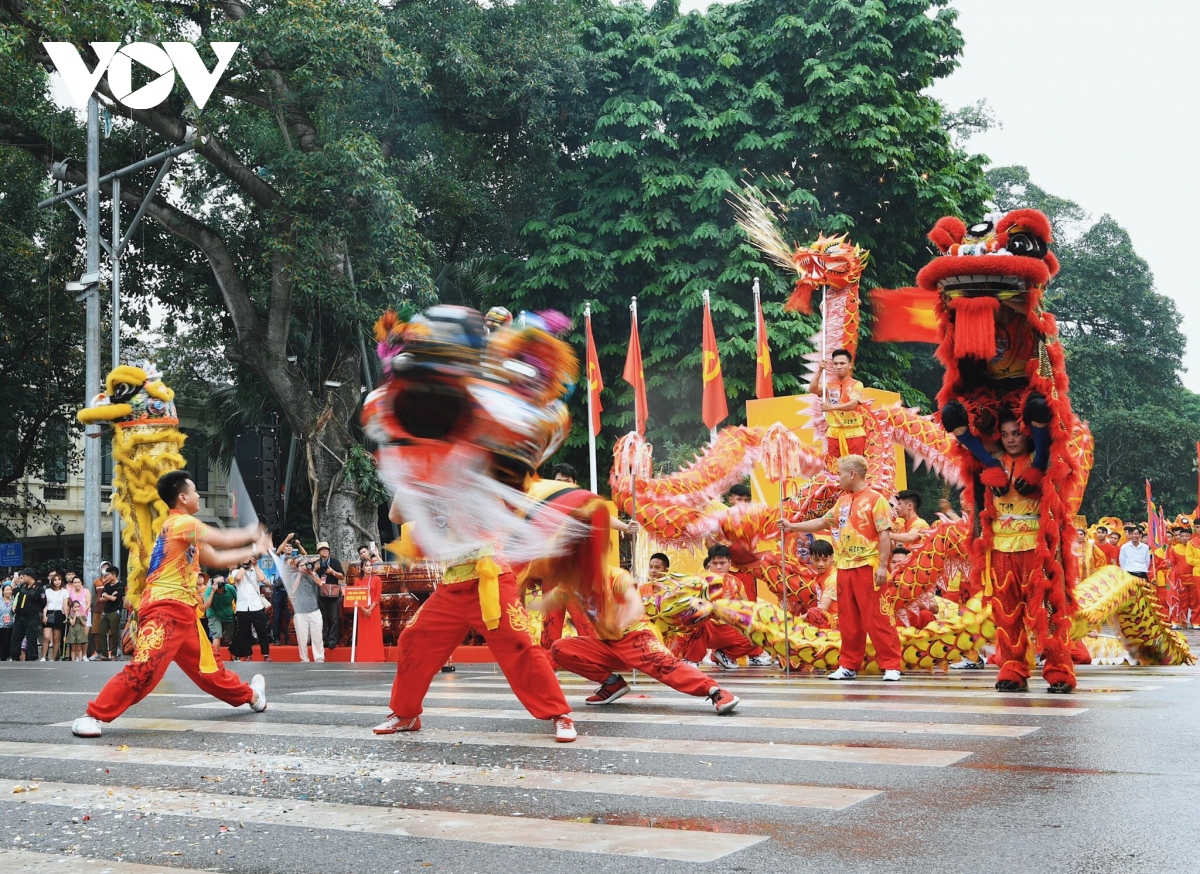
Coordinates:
<point>169,612</point>
<point>861,521</point>
<point>840,399</point>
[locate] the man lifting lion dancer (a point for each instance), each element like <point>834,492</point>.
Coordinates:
<point>169,610</point>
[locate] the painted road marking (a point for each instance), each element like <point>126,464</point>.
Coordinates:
<point>648,745</point>
<point>776,794</point>
<point>25,862</point>
<point>1013,706</point>
<point>619,714</point>
<point>479,828</point>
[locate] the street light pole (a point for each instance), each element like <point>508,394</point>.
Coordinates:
<point>116,334</point>
<point>91,446</point>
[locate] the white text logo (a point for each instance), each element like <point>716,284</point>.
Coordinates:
<point>166,60</point>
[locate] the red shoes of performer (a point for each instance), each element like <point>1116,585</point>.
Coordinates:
<point>723,701</point>
<point>394,724</point>
<point>564,727</point>
<point>614,687</point>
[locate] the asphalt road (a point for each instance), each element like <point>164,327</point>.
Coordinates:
<point>937,773</point>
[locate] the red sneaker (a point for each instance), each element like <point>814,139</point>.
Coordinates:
<point>394,724</point>
<point>723,701</point>
<point>564,729</point>
<point>609,692</point>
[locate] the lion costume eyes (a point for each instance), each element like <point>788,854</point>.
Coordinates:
<point>1024,243</point>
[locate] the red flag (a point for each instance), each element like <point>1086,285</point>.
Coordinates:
<point>633,373</point>
<point>763,385</point>
<point>595,384</point>
<point>904,315</point>
<point>714,409</point>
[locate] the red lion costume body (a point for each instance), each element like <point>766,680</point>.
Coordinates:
<point>1002,357</point>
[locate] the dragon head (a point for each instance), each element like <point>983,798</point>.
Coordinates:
<point>832,262</point>
<point>132,396</point>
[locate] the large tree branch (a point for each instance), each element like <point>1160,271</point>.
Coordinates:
<point>175,130</point>
<point>302,127</point>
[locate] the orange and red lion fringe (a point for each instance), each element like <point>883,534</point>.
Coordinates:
<point>987,286</point>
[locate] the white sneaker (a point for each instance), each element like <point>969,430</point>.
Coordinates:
<point>891,676</point>
<point>86,726</point>
<point>843,674</point>
<point>707,660</point>
<point>564,729</point>
<point>765,660</point>
<point>692,664</point>
<point>724,662</point>
<point>258,684</point>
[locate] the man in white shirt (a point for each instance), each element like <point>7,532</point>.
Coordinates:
<point>1135,555</point>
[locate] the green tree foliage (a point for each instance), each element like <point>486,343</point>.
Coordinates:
<point>41,362</point>
<point>1124,356</point>
<point>820,104</point>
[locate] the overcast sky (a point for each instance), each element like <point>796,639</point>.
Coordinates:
<point>1098,99</point>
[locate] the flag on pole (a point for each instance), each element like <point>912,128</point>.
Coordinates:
<point>714,409</point>
<point>1151,519</point>
<point>763,384</point>
<point>595,384</point>
<point>904,315</point>
<point>634,373</point>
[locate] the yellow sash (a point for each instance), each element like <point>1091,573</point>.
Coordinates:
<point>208,662</point>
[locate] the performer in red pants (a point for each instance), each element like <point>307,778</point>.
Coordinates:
<point>727,643</point>
<point>169,610</point>
<point>861,520</point>
<point>479,593</point>
<point>624,641</point>
<point>1013,510</point>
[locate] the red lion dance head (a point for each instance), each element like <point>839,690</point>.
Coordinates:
<point>982,302</point>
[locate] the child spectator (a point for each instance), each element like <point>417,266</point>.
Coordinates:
<point>77,631</point>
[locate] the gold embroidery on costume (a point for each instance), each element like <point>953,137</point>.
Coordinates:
<point>151,637</point>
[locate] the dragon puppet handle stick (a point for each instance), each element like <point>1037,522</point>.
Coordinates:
<point>781,458</point>
<point>824,347</point>
<point>633,456</point>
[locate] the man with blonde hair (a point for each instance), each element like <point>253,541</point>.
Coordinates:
<point>861,521</point>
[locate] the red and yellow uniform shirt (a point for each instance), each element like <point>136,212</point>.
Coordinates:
<point>175,562</point>
<point>1181,570</point>
<point>856,520</point>
<point>847,423</point>
<point>1017,516</point>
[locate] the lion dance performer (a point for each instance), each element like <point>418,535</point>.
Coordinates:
<point>625,640</point>
<point>146,443</point>
<point>169,628</point>
<point>463,420</point>
<point>1003,360</point>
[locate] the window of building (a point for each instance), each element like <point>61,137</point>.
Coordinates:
<point>58,450</point>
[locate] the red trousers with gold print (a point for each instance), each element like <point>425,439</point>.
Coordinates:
<point>855,445</point>
<point>1013,576</point>
<point>166,633</point>
<point>860,614</point>
<point>639,650</point>
<point>714,635</point>
<point>440,626</point>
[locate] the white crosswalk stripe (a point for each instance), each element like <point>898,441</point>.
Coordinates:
<point>718,791</point>
<point>481,828</point>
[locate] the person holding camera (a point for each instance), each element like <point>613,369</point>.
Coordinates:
<point>280,612</point>
<point>250,612</point>
<point>333,581</point>
<point>303,589</point>
<point>218,610</point>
